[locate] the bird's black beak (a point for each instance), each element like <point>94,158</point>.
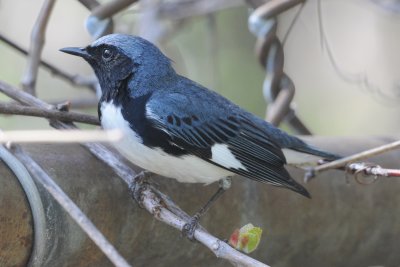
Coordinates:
<point>76,51</point>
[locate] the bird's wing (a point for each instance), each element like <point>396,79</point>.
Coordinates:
<point>218,132</point>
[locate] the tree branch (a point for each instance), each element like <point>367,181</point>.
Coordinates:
<point>35,50</point>
<point>77,103</point>
<point>15,109</point>
<point>361,169</point>
<point>177,10</point>
<point>340,163</point>
<point>151,201</point>
<point>75,80</point>
<point>23,97</point>
<point>221,249</point>
<point>89,4</point>
<point>110,8</point>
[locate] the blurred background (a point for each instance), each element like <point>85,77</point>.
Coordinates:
<point>343,57</point>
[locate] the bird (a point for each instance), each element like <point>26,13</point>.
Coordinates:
<point>178,128</point>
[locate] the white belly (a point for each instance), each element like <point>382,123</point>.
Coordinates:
<point>187,169</point>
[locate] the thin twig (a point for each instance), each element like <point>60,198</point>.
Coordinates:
<point>292,23</point>
<point>16,109</point>
<point>311,173</point>
<point>110,8</point>
<point>177,10</point>
<point>127,174</point>
<point>362,170</point>
<point>75,80</point>
<point>69,206</point>
<point>23,97</point>
<point>89,4</point>
<point>35,50</point>
<point>255,3</point>
<point>273,8</point>
<point>77,103</point>
<point>51,136</point>
<point>360,78</point>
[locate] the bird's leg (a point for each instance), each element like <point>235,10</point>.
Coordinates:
<point>139,184</point>
<point>190,227</point>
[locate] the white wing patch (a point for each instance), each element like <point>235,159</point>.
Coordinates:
<point>223,156</point>
<point>186,169</point>
<point>151,115</point>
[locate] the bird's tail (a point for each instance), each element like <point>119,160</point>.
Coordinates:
<point>294,143</point>
<point>296,187</point>
<point>298,153</point>
<point>306,148</point>
<point>287,181</point>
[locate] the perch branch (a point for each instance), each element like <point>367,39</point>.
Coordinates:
<point>76,80</point>
<point>312,172</point>
<point>36,46</point>
<point>152,202</point>
<point>362,169</point>
<point>15,109</point>
<point>373,170</point>
<point>218,247</point>
<point>73,210</point>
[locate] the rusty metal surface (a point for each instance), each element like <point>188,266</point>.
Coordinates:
<point>344,224</point>
<point>16,231</point>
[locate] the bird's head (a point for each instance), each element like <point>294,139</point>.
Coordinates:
<point>118,57</point>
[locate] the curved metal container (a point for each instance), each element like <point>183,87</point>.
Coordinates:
<point>344,224</point>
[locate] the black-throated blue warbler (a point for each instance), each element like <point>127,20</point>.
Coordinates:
<point>179,129</point>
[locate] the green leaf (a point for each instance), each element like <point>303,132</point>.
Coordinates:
<point>246,239</point>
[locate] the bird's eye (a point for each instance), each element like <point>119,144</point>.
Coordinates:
<point>107,54</point>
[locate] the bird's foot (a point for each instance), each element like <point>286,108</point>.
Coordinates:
<point>190,227</point>
<point>225,183</point>
<point>139,184</point>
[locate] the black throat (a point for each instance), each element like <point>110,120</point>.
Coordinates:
<point>115,93</point>
<point>134,111</point>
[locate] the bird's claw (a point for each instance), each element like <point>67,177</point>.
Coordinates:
<point>190,227</point>
<point>137,186</point>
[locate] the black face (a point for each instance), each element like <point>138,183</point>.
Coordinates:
<point>111,65</point>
